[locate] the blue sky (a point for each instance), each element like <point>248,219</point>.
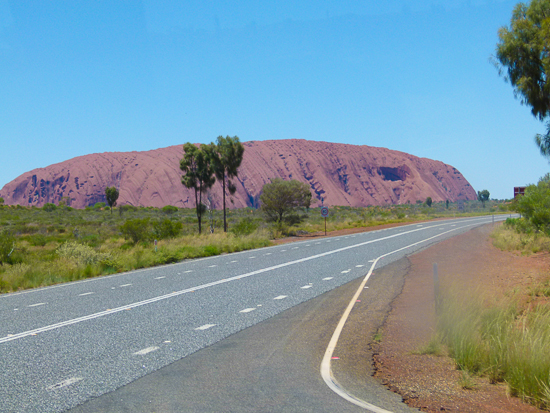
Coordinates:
<point>81,77</point>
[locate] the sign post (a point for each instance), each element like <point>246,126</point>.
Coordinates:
<point>324,214</point>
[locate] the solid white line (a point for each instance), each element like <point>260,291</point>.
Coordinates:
<point>205,327</point>
<point>36,305</point>
<point>64,383</point>
<point>146,350</point>
<point>83,294</point>
<point>280,297</point>
<point>326,370</point>
<point>214,283</point>
<point>247,310</point>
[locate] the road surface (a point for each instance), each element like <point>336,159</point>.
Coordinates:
<point>63,345</point>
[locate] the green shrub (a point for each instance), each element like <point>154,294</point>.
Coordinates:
<point>167,229</point>
<point>7,245</point>
<point>81,253</point>
<point>136,230</point>
<point>169,209</point>
<point>245,227</point>
<point>48,207</point>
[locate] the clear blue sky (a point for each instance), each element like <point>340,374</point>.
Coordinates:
<point>81,77</point>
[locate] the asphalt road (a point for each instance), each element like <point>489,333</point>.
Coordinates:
<point>63,345</point>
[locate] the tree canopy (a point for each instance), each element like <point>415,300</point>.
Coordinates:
<point>111,194</point>
<point>280,200</point>
<point>226,157</point>
<point>523,58</point>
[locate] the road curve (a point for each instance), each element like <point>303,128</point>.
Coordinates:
<point>63,345</point>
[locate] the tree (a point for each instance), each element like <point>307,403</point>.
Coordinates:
<point>447,204</point>
<point>111,194</point>
<point>280,200</point>
<point>523,53</point>
<point>199,174</point>
<point>227,155</point>
<point>535,205</point>
<point>483,196</point>
<point>429,201</point>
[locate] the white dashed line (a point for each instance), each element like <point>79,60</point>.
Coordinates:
<point>83,294</point>
<point>308,245</point>
<point>188,271</point>
<point>212,266</point>
<point>317,243</point>
<point>36,305</point>
<point>125,285</point>
<point>64,383</point>
<point>327,278</point>
<point>280,297</point>
<point>231,262</point>
<point>251,257</point>
<point>371,260</point>
<point>346,271</point>
<point>146,350</point>
<point>205,327</point>
<point>283,250</point>
<point>295,248</point>
<point>305,287</point>
<point>359,266</point>
<point>268,253</point>
<point>159,278</point>
<point>247,310</point>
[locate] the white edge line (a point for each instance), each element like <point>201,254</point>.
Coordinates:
<point>326,370</point>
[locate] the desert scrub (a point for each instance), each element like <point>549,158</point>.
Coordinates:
<point>514,236</point>
<point>499,340</point>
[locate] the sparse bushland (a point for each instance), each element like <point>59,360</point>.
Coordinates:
<point>502,340</point>
<point>44,246</point>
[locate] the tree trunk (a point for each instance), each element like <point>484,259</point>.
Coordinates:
<point>224,217</point>
<point>197,209</point>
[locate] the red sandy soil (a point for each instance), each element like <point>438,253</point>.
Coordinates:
<point>431,383</point>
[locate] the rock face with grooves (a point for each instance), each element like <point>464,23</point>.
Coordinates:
<point>341,174</point>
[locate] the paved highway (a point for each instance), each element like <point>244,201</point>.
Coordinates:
<point>62,345</point>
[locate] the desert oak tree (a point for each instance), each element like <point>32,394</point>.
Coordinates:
<point>226,156</point>
<point>111,195</point>
<point>483,196</point>
<point>198,174</point>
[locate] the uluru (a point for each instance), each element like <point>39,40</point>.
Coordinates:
<point>339,174</point>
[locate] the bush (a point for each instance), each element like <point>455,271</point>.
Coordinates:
<point>167,229</point>
<point>136,230</point>
<point>169,209</point>
<point>535,205</point>
<point>82,254</point>
<point>245,227</point>
<point>48,207</point>
<point>7,245</point>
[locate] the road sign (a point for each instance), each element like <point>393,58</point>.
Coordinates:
<point>324,211</point>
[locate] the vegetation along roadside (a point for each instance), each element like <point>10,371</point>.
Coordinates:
<point>56,243</point>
